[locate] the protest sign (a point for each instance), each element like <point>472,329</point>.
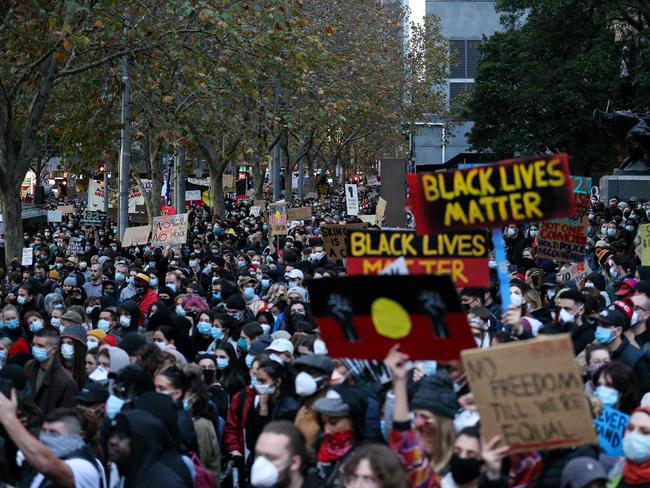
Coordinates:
<point>54,216</point>
<point>312,195</point>
<point>373,181</point>
<point>77,245</point>
<point>255,211</point>
<point>278,218</point>
<point>610,427</point>
<point>260,203</point>
<point>169,230</point>
<point>644,244</point>
<point>566,239</point>
<point>397,267</point>
<point>380,210</point>
<point>364,316</point>
<point>136,236</point>
<point>352,199</point>
<point>576,272</point>
<point>513,191</point>
<point>368,219</point>
<point>334,239</point>
<point>28,256</point>
<point>95,195</point>
<point>93,217</point>
<point>192,195</point>
<point>66,209</point>
<point>531,394</point>
<point>299,213</point>
<point>463,256</point>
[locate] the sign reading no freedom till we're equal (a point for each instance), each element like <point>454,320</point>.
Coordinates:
<point>169,230</point>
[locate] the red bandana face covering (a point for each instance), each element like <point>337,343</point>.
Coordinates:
<point>335,446</point>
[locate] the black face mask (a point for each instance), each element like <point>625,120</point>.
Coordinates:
<point>464,470</point>
<point>298,317</point>
<point>208,376</point>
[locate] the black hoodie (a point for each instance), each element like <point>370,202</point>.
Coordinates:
<point>154,461</point>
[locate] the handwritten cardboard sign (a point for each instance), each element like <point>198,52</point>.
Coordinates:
<point>566,239</point>
<point>192,195</point>
<point>278,218</point>
<point>54,216</point>
<point>644,244</point>
<point>352,199</point>
<point>169,230</point>
<point>513,191</point>
<point>610,427</point>
<point>299,213</point>
<point>364,316</point>
<point>380,210</point>
<point>136,236</point>
<point>576,272</point>
<point>463,256</point>
<point>334,239</point>
<point>66,209</point>
<point>28,256</point>
<point>531,394</point>
<point>255,211</point>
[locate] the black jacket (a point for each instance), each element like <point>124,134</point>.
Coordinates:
<point>634,358</point>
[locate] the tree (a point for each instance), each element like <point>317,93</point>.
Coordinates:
<point>539,81</point>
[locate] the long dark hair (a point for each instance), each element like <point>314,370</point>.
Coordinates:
<point>78,365</point>
<point>231,378</point>
<point>624,381</point>
<point>277,371</point>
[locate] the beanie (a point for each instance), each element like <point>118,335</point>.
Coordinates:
<point>76,332</point>
<point>97,334</point>
<point>236,302</point>
<point>131,342</point>
<point>436,394</point>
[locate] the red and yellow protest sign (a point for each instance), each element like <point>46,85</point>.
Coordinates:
<point>512,191</point>
<point>462,256</point>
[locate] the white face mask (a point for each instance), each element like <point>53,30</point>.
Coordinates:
<point>276,358</point>
<point>306,384</point>
<point>265,389</point>
<point>516,300</point>
<point>566,316</point>
<point>320,347</point>
<point>635,318</point>
<point>125,321</point>
<point>67,351</point>
<point>264,474</point>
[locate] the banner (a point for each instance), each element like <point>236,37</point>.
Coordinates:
<point>462,256</point>
<point>364,316</point>
<point>576,272</point>
<point>610,427</point>
<point>278,218</point>
<point>65,209</point>
<point>54,216</point>
<point>169,230</point>
<point>193,195</point>
<point>566,239</point>
<point>299,213</point>
<point>351,199</point>
<point>94,217</point>
<point>531,394</point>
<point>334,239</point>
<point>95,195</point>
<point>136,236</point>
<point>507,192</point>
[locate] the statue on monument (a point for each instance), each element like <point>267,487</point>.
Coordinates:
<point>634,129</point>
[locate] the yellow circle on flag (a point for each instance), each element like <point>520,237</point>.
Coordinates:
<point>390,318</point>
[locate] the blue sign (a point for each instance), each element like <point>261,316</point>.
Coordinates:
<point>610,427</point>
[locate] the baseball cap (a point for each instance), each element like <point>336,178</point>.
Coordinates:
<point>93,393</point>
<point>613,317</point>
<point>295,273</point>
<point>626,287</point>
<point>320,362</point>
<point>581,471</point>
<point>281,345</point>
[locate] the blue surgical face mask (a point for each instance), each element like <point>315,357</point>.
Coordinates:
<point>113,406</point>
<point>216,295</point>
<point>249,361</point>
<point>253,382</point>
<point>636,447</point>
<point>180,310</point>
<point>36,326</point>
<point>266,283</point>
<point>603,335</point>
<point>153,282</point>
<point>152,264</point>
<point>40,354</point>
<point>607,396</point>
<point>172,287</point>
<point>119,277</point>
<point>58,305</point>
<point>629,228</point>
<point>103,325</point>
<point>55,321</point>
<point>186,404</point>
<point>222,363</point>
<point>249,293</point>
<point>611,232</point>
<point>12,324</point>
<point>216,333</point>
<point>21,300</point>
<point>203,328</point>
<point>243,345</point>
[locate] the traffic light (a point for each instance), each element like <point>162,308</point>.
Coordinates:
<point>102,168</point>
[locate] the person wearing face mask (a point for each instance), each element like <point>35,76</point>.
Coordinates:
<point>569,317</point>
<point>254,303</point>
<point>146,296</point>
<point>73,352</point>
<point>465,463</point>
<point>236,308</point>
<point>312,378</point>
<point>53,387</point>
<point>635,468</point>
<point>281,458</point>
<point>612,322</point>
<point>615,386</point>
<point>639,322</point>
<point>12,330</point>
<point>596,356</point>
<point>128,317</point>
<point>516,242</point>
<point>163,338</point>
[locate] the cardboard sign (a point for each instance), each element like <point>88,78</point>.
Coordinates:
<point>278,218</point>
<point>192,195</point>
<point>463,256</point>
<point>368,219</point>
<point>54,216</point>
<point>66,209</point>
<point>334,239</point>
<point>644,244</point>
<point>507,192</point>
<point>28,256</point>
<point>94,217</point>
<point>566,239</point>
<point>299,213</point>
<point>531,394</point>
<point>373,181</point>
<point>380,210</point>
<point>352,199</point>
<point>228,181</point>
<point>397,267</point>
<point>364,316</point>
<point>76,246</point>
<point>312,195</point>
<point>610,427</point>
<point>260,203</point>
<point>255,211</point>
<point>169,230</point>
<point>136,236</point>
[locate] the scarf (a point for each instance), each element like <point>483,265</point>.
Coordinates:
<point>335,446</point>
<point>61,445</point>
<point>636,474</point>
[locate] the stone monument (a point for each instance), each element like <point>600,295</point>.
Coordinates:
<point>632,178</point>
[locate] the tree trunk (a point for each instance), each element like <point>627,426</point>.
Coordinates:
<point>11,214</point>
<point>288,170</point>
<point>258,178</point>
<point>216,183</point>
<point>157,178</point>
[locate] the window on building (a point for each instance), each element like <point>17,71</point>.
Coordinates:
<point>463,58</point>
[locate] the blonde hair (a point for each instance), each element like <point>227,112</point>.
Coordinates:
<point>442,443</point>
<point>534,299</point>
